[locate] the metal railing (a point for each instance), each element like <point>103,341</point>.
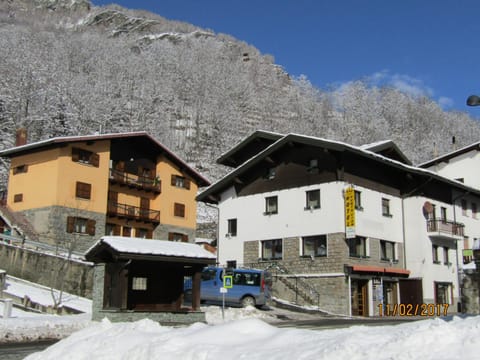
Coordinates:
<point>446,227</point>
<point>133,212</point>
<point>136,181</point>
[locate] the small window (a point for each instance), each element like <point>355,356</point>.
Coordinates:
<point>20,169</point>
<point>474,210</point>
<point>232,227</point>
<point>443,214</point>
<point>270,175</point>
<point>179,210</point>
<point>387,250</point>
<point>272,249</point>
<point>17,198</point>
<point>314,245</point>
<point>83,190</point>
<point>271,205</point>
<point>435,254</point>
<point>139,283</point>
<point>180,182</point>
<point>386,207</point>
<point>85,157</point>
<point>177,237</point>
<point>357,247</point>
<point>80,225</point>
<point>464,207</point>
<point>443,293</point>
<point>313,199</point>
<point>358,200</point>
<point>313,166</point>
<point>446,258</point>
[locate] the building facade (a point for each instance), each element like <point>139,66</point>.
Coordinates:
<point>351,229</point>
<point>73,190</point>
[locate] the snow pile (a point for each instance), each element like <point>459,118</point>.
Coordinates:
<point>28,327</point>
<point>213,314</point>
<point>255,339</point>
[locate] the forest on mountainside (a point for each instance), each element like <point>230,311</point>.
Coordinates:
<point>69,68</point>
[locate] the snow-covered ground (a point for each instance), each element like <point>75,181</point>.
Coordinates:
<point>253,338</point>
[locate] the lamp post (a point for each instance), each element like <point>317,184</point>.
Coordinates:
<point>473,100</point>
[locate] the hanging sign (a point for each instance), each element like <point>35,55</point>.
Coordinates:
<point>350,213</point>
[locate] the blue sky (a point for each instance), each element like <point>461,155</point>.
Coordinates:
<point>420,46</point>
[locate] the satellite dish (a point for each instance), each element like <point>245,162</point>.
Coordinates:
<point>427,209</point>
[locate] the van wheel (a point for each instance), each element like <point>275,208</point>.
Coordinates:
<point>248,301</point>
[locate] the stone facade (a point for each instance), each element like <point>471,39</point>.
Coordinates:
<point>326,275</point>
<point>51,225</point>
<point>162,230</point>
<point>98,313</point>
<point>44,269</point>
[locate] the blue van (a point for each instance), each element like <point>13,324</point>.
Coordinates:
<point>250,286</point>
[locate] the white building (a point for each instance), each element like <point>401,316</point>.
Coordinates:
<point>283,207</point>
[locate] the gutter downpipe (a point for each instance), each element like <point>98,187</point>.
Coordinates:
<point>215,207</point>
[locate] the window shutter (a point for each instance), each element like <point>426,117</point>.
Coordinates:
<point>117,230</point>
<point>170,236</point>
<point>75,155</point>
<point>174,179</point>
<point>91,227</point>
<point>184,238</point>
<point>95,160</point>
<point>187,184</point>
<point>18,198</point>
<point>149,234</point>
<point>83,190</point>
<point>179,210</point>
<point>70,224</point>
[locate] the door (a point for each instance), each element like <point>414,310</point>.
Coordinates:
<point>144,207</point>
<point>359,297</point>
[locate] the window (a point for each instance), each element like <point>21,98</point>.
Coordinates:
<point>143,233</point>
<point>446,259</point>
<point>443,214</point>
<point>435,254</point>
<point>272,249</point>
<point>17,198</point>
<point>232,227</point>
<point>313,166</point>
<point>357,246</point>
<point>313,199</point>
<point>387,250</point>
<point>179,210</point>
<point>180,182</point>
<point>83,190</point>
<point>442,293</point>
<point>20,169</point>
<point>112,229</point>
<point>85,157</point>
<point>80,225</point>
<point>139,283</point>
<point>314,245</point>
<point>386,207</point>
<point>270,175</point>
<point>177,237</point>
<point>464,207</point>
<point>271,205</point>
<point>474,210</point>
<point>358,200</point>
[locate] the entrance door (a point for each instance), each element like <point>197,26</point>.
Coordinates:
<point>359,297</point>
<point>411,291</point>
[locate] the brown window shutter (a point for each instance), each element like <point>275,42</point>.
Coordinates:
<point>75,155</point>
<point>95,159</point>
<point>174,180</point>
<point>117,230</point>
<point>184,238</point>
<point>179,210</point>
<point>170,236</point>
<point>83,190</point>
<point>187,184</point>
<point>70,224</point>
<point>91,227</point>
<point>18,198</point>
<point>149,234</point>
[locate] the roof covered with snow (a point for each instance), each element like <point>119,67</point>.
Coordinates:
<point>119,247</point>
<point>453,154</point>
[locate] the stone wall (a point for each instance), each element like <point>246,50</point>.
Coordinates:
<point>471,292</point>
<point>47,270</point>
<point>162,230</point>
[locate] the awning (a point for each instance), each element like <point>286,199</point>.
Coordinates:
<point>390,271</point>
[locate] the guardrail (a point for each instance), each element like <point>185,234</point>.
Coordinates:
<point>35,245</point>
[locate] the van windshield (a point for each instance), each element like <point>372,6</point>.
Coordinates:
<point>246,278</point>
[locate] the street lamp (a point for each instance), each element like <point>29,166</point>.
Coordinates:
<point>473,100</point>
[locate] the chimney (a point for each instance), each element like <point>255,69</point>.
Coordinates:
<point>21,137</point>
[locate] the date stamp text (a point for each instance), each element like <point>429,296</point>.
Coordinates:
<point>413,309</point>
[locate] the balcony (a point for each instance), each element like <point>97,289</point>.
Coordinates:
<point>129,212</point>
<point>134,181</point>
<point>445,229</point>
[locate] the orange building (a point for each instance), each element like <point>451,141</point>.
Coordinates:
<point>84,187</point>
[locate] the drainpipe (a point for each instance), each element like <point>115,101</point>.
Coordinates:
<point>215,207</point>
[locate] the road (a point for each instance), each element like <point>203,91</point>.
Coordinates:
<point>20,351</point>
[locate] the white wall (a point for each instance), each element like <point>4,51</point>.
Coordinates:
<point>464,166</point>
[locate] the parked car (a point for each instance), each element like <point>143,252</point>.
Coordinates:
<point>250,286</point>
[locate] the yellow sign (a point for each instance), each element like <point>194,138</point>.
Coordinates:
<point>228,282</point>
<point>350,212</point>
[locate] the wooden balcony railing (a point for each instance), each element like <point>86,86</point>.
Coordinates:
<point>445,228</point>
<point>133,212</point>
<point>135,181</point>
